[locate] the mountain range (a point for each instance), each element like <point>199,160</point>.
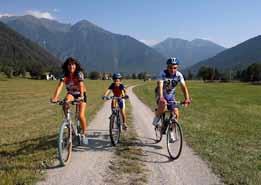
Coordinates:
<point>101,50</point>
<point>189,52</point>
<point>96,48</point>
<point>235,58</point>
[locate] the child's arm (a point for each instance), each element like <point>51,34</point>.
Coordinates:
<point>124,92</point>
<point>107,92</point>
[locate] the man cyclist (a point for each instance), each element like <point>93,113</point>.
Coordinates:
<point>166,90</point>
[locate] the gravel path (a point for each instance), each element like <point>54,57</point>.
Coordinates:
<point>89,164</point>
<point>189,169</point>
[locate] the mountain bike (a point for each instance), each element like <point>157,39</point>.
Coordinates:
<point>69,132</point>
<point>168,125</point>
<point>115,125</point>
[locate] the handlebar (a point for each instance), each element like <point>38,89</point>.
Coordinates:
<point>180,103</point>
<point>115,97</point>
<point>62,102</point>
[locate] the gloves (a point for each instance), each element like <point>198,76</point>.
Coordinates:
<point>105,98</point>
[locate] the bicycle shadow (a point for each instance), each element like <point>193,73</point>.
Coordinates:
<point>98,140</point>
<point>150,156</point>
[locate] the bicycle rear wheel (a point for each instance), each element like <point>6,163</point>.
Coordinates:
<point>115,130</point>
<point>174,140</point>
<point>65,143</point>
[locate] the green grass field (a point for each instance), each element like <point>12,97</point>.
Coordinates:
<point>223,125</point>
<point>29,126</point>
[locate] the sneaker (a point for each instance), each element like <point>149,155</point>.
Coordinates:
<point>84,140</point>
<point>172,137</point>
<point>156,121</point>
<point>124,127</point>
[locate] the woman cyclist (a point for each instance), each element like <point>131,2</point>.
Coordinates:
<point>73,80</point>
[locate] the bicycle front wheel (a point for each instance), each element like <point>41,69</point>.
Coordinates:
<point>65,143</point>
<point>115,130</point>
<point>174,140</point>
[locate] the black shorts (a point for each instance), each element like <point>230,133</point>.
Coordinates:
<point>76,96</point>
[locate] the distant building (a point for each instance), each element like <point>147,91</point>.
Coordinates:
<point>106,76</point>
<point>49,76</point>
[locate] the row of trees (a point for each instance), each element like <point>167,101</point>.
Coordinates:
<point>94,75</point>
<point>251,73</point>
<point>37,71</point>
<point>33,70</point>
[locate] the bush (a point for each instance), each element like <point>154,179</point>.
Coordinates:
<point>94,75</point>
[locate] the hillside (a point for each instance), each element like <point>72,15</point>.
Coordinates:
<point>17,51</point>
<point>235,58</point>
<point>189,52</point>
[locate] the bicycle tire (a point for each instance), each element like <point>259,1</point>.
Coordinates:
<point>174,146</point>
<point>158,131</point>
<point>115,130</point>
<point>78,128</point>
<point>65,143</point>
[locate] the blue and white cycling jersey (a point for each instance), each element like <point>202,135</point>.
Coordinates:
<point>170,82</point>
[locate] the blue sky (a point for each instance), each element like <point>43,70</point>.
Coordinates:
<point>222,21</point>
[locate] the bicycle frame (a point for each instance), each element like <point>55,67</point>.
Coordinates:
<point>73,124</point>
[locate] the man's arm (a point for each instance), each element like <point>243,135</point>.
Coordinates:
<point>160,86</point>
<point>186,93</point>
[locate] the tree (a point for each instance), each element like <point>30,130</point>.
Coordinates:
<point>94,75</point>
<point>134,76</point>
<point>8,71</point>
<point>37,71</point>
<point>208,73</point>
<point>252,73</point>
<point>190,75</point>
<point>141,76</point>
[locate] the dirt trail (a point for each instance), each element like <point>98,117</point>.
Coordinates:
<point>189,169</point>
<point>89,164</point>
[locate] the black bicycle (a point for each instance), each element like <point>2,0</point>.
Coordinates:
<point>69,132</point>
<point>168,125</point>
<point>115,120</point>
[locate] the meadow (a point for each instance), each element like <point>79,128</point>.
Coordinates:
<point>223,126</point>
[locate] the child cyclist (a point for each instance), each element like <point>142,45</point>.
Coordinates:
<point>118,90</point>
<point>73,80</point>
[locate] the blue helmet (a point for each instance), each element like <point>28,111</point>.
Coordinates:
<point>172,61</point>
<point>116,76</point>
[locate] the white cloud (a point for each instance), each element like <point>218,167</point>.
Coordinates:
<point>149,42</point>
<point>39,14</point>
<point>6,15</point>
